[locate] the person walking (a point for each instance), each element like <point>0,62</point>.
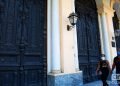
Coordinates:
<point>103,69</point>
<point>116,63</point>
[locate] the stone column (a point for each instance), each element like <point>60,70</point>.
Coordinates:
<point>55,42</point>
<point>110,15</point>
<point>48,36</point>
<point>105,33</point>
<point>101,34</point>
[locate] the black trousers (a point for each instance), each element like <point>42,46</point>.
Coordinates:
<point>104,76</point>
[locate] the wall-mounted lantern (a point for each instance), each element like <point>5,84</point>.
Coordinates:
<point>73,20</point>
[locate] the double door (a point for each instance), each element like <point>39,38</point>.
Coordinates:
<point>88,39</point>
<point>22,43</point>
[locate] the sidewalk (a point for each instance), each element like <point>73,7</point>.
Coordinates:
<point>99,83</point>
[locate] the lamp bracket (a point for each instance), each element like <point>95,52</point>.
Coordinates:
<point>69,28</point>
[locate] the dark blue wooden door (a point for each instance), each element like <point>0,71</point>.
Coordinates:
<point>88,38</point>
<point>22,43</point>
<point>116,27</point>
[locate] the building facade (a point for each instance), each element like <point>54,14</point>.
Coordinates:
<point>81,48</point>
<point>36,49</point>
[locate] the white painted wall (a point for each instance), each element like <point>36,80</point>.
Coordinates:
<point>67,37</point>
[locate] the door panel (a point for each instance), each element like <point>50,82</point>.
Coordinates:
<point>33,34</point>
<point>33,39</point>
<point>8,33</point>
<point>9,78</point>
<point>88,38</point>
<point>22,42</point>
<point>32,78</point>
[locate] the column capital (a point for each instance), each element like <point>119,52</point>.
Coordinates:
<point>105,9</point>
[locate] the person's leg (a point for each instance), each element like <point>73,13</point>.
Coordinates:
<point>103,80</point>
<point>106,84</point>
<point>104,77</point>
<point>118,81</point>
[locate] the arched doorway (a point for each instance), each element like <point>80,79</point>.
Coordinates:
<point>23,42</point>
<point>88,38</point>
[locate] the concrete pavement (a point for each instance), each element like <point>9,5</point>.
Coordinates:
<point>99,83</point>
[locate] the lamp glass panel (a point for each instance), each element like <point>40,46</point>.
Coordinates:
<point>75,19</point>
<point>71,19</point>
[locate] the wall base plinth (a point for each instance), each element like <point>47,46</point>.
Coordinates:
<point>62,79</point>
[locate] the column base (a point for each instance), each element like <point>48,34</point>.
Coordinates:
<point>56,72</point>
<point>72,79</point>
<point>77,69</point>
